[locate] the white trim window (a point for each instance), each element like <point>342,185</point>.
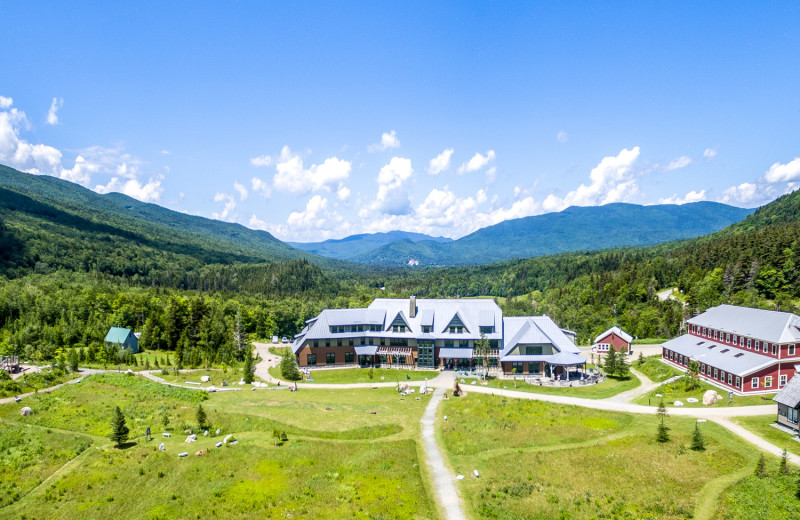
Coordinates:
<point>749,343</point>
<point>774,349</point>
<point>754,383</point>
<point>767,381</point>
<point>765,347</point>
<point>716,373</point>
<point>715,335</point>
<point>791,350</point>
<point>730,378</point>
<point>738,382</point>
<point>783,380</point>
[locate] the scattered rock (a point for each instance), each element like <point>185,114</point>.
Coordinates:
<point>26,411</point>
<point>659,395</point>
<point>219,444</point>
<point>129,371</point>
<point>701,420</point>
<point>227,438</point>
<point>474,383</point>
<point>678,403</point>
<point>224,383</point>
<point>205,433</point>
<point>191,438</point>
<point>183,454</point>
<point>445,417</point>
<point>161,447</point>
<point>233,443</point>
<point>17,399</point>
<point>205,379</point>
<point>218,431</point>
<point>165,434</point>
<point>711,397</point>
<point>328,408</point>
<point>691,400</point>
<point>475,472</point>
<point>201,452</point>
<point>373,413</point>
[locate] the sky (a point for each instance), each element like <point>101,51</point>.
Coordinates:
<point>325,119</point>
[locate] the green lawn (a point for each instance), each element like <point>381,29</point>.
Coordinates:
<point>655,369</point>
<point>568,462</point>
<point>216,377</point>
<point>336,464</point>
<point>361,375</point>
<point>34,381</point>
<point>607,388</point>
<point>760,425</point>
<point>676,391</point>
<point>747,499</point>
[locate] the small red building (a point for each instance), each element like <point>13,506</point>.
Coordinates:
<point>615,338</point>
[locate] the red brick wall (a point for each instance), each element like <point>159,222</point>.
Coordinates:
<point>321,354</point>
<point>616,342</point>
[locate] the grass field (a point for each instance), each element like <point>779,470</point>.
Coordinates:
<point>336,464</point>
<point>607,388</point>
<point>361,375</point>
<point>216,377</point>
<point>745,500</point>
<point>34,381</point>
<point>760,425</point>
<point>676,391</point>
<point>567,462</point>
<point>655,369</point>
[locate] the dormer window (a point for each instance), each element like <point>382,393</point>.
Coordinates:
<point>487,330</point>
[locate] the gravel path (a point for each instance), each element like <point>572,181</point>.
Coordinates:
<point>443,479</point>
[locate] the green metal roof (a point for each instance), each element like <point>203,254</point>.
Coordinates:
<point>117,335</point>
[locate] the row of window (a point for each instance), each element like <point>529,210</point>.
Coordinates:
<point>456,329</point>
<point>394,342</point>
<point>740,341</point>
<point>338,329</point>
<point>330,358</point>
<point>721,375</point>
<point>790,414</point>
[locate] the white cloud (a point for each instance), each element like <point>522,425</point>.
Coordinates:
<point>257,223</point>
<point>491,175</point>
<point>612,180</point>
<point>784,172</point>
<point>149,192</point>
<point>262,160</point>
<point>241,189</point>
<point>388,140</point>
<point>6,102</point>
<point>477,162</point>
<point>292,177</point>
<point>227,210</point>
<point>680,162</point>
<point>392,197</point>
<point>314,222</point>
<point>82,173</point>
<point>744,193</point>
<point>692,196</point>
<point>710,153</point>
<point>441,162</point>
<point>52,114</point>
<point>562,136</point>
<point>261,187</point>
<point>343,192</point>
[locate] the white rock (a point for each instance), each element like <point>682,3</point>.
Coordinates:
<point>233,443</point>
<point>183,454</point>
<point>678,403</point>
<point>474,383</point>
<point>659,395</point>
<point>701,420</point>
<point>205,379</point>
<point>161,447</point>
<point>227,438</point>
<point>165,434</point>
<point>191,438</point>
<point>691,400</point>
<point>459,477</point>
<point>475,472</point>
<point>219,444</point>
<point>218,430</point>
<point>711,397</point>
<point>26,411</point>
<point>205,433</point>
<point>129,371</point>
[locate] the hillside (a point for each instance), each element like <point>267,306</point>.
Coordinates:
<point>48,224</point>
<point>356,244</point>
<point>574,229</point>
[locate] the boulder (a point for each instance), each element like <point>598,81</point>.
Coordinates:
<point>227,438</point>
<point>26,411</point>
<point>233,443</point>
<point>218,430</point>
<point>691,400</point>
<point>711,397</point>
<point>183,454</point>
<point>165,434</point>
<point>205,433</point>
<point>219,444</point>
<point>191,438</point>
<point>201,452</point>
<point>161,447</point>
<point>678,403</point>
<point>205,379</point>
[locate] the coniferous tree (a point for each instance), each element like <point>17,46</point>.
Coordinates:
<point>72,359</point>
<point>663,430</point>
<point>610,362</point>
<point>784,467</point>
<point>761,467</point>
<point>165,419</point>
<point>623,368</point>
<point>202,418</point>
<point>119,430</point>
<point>698,442</point>
<point>289,369</point>
<point>248,367</point>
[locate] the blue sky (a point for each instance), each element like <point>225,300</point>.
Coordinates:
<point>326,119</point>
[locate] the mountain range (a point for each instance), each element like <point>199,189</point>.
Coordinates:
<point>353,245</point>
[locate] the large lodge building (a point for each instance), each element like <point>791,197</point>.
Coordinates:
<point>742,350</point>
<point>435,333</point>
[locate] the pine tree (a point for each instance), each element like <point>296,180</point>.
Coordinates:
<point>761,467</point>
<point>248,367</point>
<point>623,369</point>
<point>202,418</point>
<point>119,431</point>
<point>663,430</point>
<point>610,362</point>
<point>72,359</point>
<point>784,468</point>
<point>289,370</point>
<point>698,442</point>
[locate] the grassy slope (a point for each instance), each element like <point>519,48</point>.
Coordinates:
<point>760,425</point>
<point>676,391</point>
<point>607,388</point>
<point>656,370</point>
<point>361,375</point>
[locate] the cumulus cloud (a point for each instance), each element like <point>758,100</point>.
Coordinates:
<point>257,223</point>
<point>692,196</point>
<point>148,192</point>
<point>261,187</point>
<point>388,140</point>
<point>562,136</point>
<point>477,162</point>
<point>612,180</point>
<point>261,160</point>
<point>678,163</point>
<point>441,162</point>
<point>227,210</point>
<point>392,197</point>
<point>343,192</point>
<point>784,172</point>
<point>745,193</point>
<point>710,153</point>
<point>241,190</point>
<point>293,177</point>
<point>52,114</point>
<point>6,102</point>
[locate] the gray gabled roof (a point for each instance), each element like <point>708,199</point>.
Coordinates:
<point>789,394</point>
<point>426,317</point>
<point>534,330</point>
<point>614,330</point>
<point>770,326</point>
<point>730,359</point>
<point>355,317</point>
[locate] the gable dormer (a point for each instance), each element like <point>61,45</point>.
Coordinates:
<point>399,324</point>
<point>456,325</point>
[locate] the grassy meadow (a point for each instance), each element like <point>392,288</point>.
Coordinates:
<point>746,500</point>
<point>361,375</point>
<point>569,462</point>
<point>655,369</point>
<point>337,462</point>
<point>608,388</point>
<point>761,426</point>
<point>676,391</point>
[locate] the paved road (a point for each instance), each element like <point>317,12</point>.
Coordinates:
<point>443,479</point>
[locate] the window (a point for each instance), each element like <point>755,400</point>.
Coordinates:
<point>716,373</point>
<point>702,369</point>
<point>730,379</point>
<point>327,343</point>
<point>534,351</point>
<point>487,330</point>
<point>350,341</point>
<point>425,328</point>
<point>464,343</point>
<point>722,376</point>
<point>349,357</point>
<point>741,341</point>
<point>738,381</point>
<point>330,358</point>
<point>516,367</point>
<point>316,343</point>
<point>766,347</point>
<point>791,350</point>
<point>758,344</point>
<point>792,415</point>
<point>768,382</point>
<point>339,342</point>
<point>311,359</point>
<point>727,338</point>
<point>783,380</point>
<point>774,349</point>
<point>749,343</point>
<point>400,360</point>
<point>754,383</point>
<point>448,343</point>
<point>715,334</point>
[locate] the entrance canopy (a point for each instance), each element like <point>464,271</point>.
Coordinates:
<point>455,353</point>
<point>567,359</point>
<point>366,350</point>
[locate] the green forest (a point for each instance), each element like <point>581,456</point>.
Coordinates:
<point>71,267</point>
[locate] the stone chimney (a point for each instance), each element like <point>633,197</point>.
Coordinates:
<point>412,307</point>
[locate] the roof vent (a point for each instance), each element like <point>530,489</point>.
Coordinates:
<point>700,343</point>
<point>724,350</point>
<point>412,307</point>
<point>740,354</point>
<point>711,346</point>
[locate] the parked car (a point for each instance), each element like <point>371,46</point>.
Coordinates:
<point>275,339</point>
<point>284,340</point>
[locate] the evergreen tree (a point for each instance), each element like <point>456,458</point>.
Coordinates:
<point>663,431</point>
<point>482,352</point>
<point>248,368</point>
<point>610,363</point>
<point>698,442</point>
<point>623,369</point>
<point>119,431</point>
<point>202,418</point>
<point>640,359</point>
<point>72,359</point>
<point>784,468</point>
<point>761,467</point>
<point>289,370</point>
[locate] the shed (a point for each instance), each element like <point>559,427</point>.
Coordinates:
<point>615,338</point>
<point>123,338</point>
<point>788,400</point>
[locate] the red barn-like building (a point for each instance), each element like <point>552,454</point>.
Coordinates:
<point>741,350</point>
<point>615,338</point>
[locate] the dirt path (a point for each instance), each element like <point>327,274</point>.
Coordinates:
<point>443,479</point>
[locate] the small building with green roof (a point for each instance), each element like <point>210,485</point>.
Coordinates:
<point>122,338</point>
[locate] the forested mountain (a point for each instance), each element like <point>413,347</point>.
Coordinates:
<point>574,229</point>
<point>348,247</point>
